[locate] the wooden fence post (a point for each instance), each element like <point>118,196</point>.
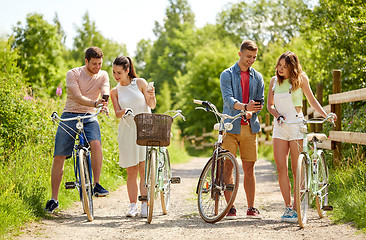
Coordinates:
<point>319,97</point>
<point>337,109</point>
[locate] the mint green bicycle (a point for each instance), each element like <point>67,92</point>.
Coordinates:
<point>312,176</point>
<point>153,131</point>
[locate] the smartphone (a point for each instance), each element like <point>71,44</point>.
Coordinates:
<point>261,101</point>
<point>105,97</point>
<point>150,86</point>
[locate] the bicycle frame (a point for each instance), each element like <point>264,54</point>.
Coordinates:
<point>81,144</point>
<point>159,166</point>
<point>221,127</point>
<point>312,174</point>
<point>82,168</point>
<point>312,163</point>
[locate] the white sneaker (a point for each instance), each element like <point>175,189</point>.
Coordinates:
<point>144,210</point>
<point>132,210</point>
<point>290,215</point>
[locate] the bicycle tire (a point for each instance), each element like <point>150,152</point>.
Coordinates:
<point>302,190</point>
<point>321,197</point>
<point>151,184</point>
<point>89,183</point>
<point>212,205</point>
<point>167,175</point>
<point>88,208</point>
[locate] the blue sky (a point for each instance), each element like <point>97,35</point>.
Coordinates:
<point>125,21</point>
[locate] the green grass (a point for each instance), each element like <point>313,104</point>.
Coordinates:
<point>25,168</point>
<point>25,164</point>
<point>347,191</point>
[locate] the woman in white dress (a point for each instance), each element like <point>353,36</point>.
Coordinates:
<point>131,92</point>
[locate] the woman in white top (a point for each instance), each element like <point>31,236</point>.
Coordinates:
<point>285,101</point>
<point>131,93</point>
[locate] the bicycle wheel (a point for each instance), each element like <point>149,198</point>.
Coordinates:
<point>212,204</point>
<point>166,176</point>
<point>302,190</point>
<point>151,184</point>
<point>86,186</point>
<point>321,197</point>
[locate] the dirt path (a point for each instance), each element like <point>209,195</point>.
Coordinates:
<point>183,220</point>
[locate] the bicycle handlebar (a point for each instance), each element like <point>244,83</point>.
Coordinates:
<point>129,112</point>
<point>213,109</point>
<point>314,120</point>
<point>56,116</point>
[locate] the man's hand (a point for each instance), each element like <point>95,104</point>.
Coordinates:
<point>253,106</point>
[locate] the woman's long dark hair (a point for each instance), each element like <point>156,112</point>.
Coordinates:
<point>294,67</point>
<point>126,63</point>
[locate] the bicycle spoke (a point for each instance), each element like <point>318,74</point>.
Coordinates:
<point>213,205</point>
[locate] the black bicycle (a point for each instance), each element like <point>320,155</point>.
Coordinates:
<point>216,189</point>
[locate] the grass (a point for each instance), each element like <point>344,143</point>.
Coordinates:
<point>26,164</point>
<point>26,185</point>
<point>347,191</point>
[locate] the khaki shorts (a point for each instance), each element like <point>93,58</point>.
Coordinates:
<point>246,141</point>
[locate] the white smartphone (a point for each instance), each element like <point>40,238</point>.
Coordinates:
<point>150,86</point>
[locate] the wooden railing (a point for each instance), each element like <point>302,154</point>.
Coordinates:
<point>336,137</point>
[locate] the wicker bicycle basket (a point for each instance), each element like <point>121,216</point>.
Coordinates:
<point>153,129</point>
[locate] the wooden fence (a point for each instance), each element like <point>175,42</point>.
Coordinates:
<point>336,137</point>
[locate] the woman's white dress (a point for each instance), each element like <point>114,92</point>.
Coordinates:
<point>130,154</point>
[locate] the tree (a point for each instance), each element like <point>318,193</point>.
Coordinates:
<point>142,55</point>
<point>173,48</point>
<point>88,36</point>
<point>338,29</point>
<point>40,48</point>
<point>202,81</point>
<point>262,21</point>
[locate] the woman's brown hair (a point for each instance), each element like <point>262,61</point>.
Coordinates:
<point>126,63</point>
<point>294,68</point>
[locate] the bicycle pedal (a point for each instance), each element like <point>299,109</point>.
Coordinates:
<point>205,190</point>
<point>175,180</point>
<point>143,198</point>
<point>70,185</point>
<point>327,208</point>
<point>230,187</point>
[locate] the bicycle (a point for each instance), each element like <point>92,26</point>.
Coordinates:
<point>153,131</point>
<point>312,176</point>
<point>82,163</point>
<point>215,195</point>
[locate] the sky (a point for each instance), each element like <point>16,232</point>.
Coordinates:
<point>124,21</point>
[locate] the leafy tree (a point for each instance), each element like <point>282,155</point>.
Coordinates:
<point>262,21</point>
<point>338,30</point>
<point>142,55</point>
<point>39,45</point>
<point>202,81</point>
<point>87,36</point>
<point>164,98</point>
<point>173,47</point>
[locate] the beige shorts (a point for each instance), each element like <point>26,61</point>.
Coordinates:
<point>288,132</point>
<point>246,141</point>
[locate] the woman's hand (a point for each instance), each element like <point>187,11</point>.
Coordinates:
<point>333,117</point>
<point>280,119</point>
<point>151,92</point>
